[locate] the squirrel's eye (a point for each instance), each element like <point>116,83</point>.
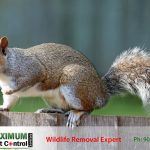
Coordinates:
<point>4,52</point>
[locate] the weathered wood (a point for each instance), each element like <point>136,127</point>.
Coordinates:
<point>133,121</point>
<point>27,119</point>
<point>125,128</point>
<point>34,119</point>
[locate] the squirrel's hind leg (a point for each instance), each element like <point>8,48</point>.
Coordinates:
<point>74,118</point>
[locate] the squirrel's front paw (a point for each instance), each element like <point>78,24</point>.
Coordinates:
<point>2,108</point>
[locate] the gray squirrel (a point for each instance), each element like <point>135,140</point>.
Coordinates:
<point>63,77</point>
<point>67,80</point>
<point>130,72</point>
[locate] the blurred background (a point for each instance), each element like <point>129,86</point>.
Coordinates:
<point>101,29</point>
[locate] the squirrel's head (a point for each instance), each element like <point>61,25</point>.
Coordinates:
<point>3,49</point>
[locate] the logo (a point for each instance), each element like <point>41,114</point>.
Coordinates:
<point>16,140</point>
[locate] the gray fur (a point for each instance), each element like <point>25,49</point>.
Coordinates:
<point>52,65</point>
<point>130,72</point>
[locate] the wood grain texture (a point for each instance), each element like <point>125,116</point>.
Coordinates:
<point>34,119</point>
<point>91,126</point>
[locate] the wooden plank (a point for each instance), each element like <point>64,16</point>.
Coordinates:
<point>34,119</point>
<point>133,121</point>
<point>131,127</point>
<point>27,119</point>
<point>91,126</point>
<point>88,120</point>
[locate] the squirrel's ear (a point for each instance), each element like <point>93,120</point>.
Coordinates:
<point>3,42</point>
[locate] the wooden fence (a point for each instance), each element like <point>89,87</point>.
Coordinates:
<point>33,119</point>
<point>127,128</point>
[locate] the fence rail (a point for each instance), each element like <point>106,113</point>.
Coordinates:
<point>126,128</point>
<point>33,119</point>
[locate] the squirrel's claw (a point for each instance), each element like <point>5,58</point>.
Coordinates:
<point>3,109</point>
<point>74,118</point>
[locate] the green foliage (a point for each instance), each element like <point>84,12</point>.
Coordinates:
<point>122,105</point>
<point>29,104</point>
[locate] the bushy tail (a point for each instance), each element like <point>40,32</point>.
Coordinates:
<point>131,72</point>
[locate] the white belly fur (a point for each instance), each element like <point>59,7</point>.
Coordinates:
<point>52,97</point>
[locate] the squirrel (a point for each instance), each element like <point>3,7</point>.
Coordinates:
<point>63,77</point>
<point>130,72</point>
